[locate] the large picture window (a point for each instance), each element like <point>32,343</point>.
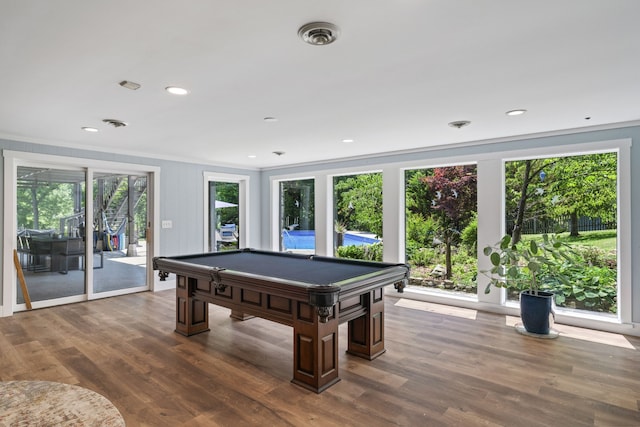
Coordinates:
<point>575,198</point>
<point>358,216</point>
<point>448,214</point>
<point>441,227</point>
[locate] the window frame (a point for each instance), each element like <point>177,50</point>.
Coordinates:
<point>490,195</point>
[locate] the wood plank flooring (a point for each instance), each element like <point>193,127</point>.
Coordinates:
<point>439,369</point>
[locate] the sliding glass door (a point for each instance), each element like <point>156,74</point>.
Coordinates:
<point>82,229</point>
<point>119,238</point>
<point>50,233</point>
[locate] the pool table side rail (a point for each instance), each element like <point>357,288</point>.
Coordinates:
<point>288,255</point>
<point>316,295</point>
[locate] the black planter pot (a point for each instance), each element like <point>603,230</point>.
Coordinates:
<point>536,312</point>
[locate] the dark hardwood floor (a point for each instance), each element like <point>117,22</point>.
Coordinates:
<point>439,369</point>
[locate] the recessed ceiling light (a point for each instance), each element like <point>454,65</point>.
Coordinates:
<point>270,119</point>
<point>348,141</point>
<point>89,129</point>
<point>515,112</point>
<point>174,90</point>
<point>459,124</point>
<point>252,156</point>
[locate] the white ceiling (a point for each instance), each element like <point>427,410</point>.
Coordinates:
<point>400,71</point>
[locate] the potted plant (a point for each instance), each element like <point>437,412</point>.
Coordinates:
<point>532,267</point>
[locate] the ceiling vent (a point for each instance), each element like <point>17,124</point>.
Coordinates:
<point>318,33</point>
<point>115,123</point>
<point>459,124</point>
<point>129,85</point>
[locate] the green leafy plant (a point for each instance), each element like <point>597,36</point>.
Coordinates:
<point>593,288</point>
<point>372,252</point>
<point>465,269</point>
<point>532,264</point>
<point>423,257</point>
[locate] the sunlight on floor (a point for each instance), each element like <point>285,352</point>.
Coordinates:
<point>600,337</point>
<point>437,308</point>
<point>583,334</point>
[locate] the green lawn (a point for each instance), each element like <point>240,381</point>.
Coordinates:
<point>605,240</point>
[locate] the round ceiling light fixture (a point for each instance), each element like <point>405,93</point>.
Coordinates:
<point>459,124</point>
<point>318,33</point>
<point>518,112</point>
<point>175,90</point>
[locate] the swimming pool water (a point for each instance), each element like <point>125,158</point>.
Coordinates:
<point>306,239</point>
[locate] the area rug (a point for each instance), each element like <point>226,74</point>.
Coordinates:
<point>44,403</point>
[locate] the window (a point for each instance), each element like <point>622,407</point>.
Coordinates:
<point>297,216</point>
<point>419,220</point>
<point>357,225</point>
<point>441,227</point>
<point>575,198</point>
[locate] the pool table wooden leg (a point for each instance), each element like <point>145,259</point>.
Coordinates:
<point>315,348</point>
<point>239,315</point>
<point>192,315</point>
<point>366,333</point>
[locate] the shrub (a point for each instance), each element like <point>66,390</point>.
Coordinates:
<point>423,257</point>
<point>420,229</point>
<point>597,257</point>
<point>465,268</point>
<point>372,252</point>
<point>469,235</point>
<point>411,248</point>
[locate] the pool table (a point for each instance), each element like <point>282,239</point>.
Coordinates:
<point>313,294</point>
